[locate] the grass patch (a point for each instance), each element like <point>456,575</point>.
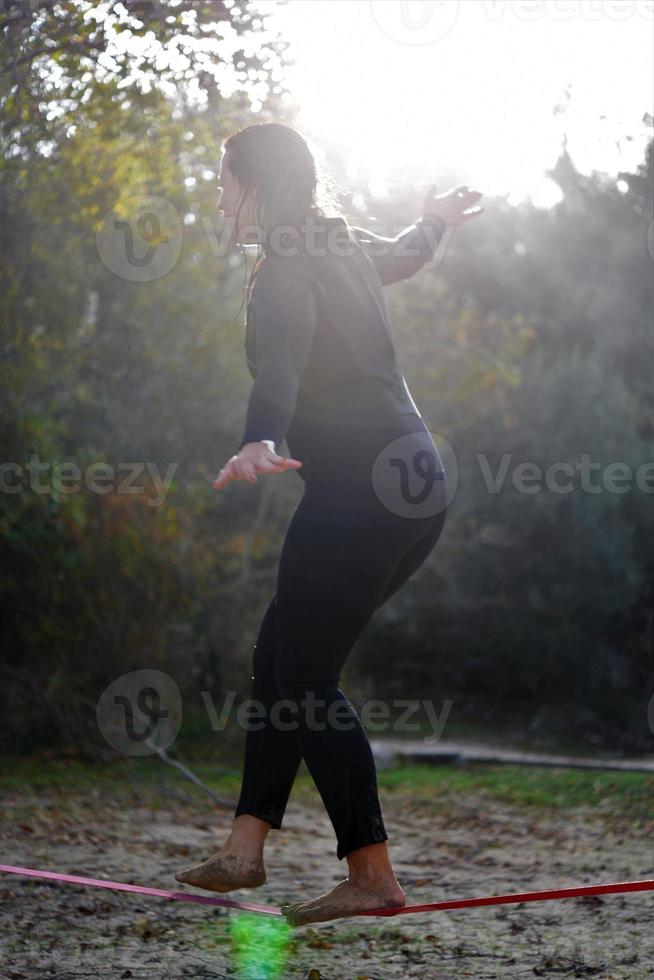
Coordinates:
<point>525,785</point>
<point>146,780</point>
<point>153,782</point>
<point>32,773</point>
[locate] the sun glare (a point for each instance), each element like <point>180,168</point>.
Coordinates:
<point>412,92</point>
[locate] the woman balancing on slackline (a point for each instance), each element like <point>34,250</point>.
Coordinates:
<point>319,347</point>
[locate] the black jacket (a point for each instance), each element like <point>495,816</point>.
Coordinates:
<point>318,338</point>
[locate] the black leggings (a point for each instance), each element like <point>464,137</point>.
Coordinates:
<point>350,545</point>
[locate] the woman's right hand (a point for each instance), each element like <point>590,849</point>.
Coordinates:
<point>253,458</point>
<point>454,206</point>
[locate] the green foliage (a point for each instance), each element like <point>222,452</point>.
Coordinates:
<point>146,378</point>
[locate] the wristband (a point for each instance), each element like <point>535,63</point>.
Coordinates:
<point>269,443</point>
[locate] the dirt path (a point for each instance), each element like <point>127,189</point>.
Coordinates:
<point>452,847</point>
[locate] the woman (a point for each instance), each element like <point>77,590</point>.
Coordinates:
<point>319,348</point>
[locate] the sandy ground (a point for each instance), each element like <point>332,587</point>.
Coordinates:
<point>441,849</point>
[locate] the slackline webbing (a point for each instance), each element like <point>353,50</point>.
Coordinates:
<point>547,895</point>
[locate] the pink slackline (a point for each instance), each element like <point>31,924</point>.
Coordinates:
<point>547,895</point>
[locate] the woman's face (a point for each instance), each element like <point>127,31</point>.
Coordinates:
<point>233,200</point>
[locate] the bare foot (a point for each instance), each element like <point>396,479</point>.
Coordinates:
<point>349,895</point>
<point>225,871</point>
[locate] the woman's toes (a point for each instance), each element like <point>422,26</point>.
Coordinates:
<point>303,914</point>
<point>291,912</point>
<point>342,900</point>
<point>299,913</point>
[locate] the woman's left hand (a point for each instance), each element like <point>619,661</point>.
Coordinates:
<point>253,458</point>
<point>454,206</point>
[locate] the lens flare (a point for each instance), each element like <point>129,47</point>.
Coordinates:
<point>259,946</point>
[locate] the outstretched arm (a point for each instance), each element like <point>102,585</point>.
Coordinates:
<point>401,257</point>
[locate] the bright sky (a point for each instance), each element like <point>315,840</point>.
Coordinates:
<point>414,92</point>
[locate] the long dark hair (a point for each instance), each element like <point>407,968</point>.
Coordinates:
<point>291,185</point>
